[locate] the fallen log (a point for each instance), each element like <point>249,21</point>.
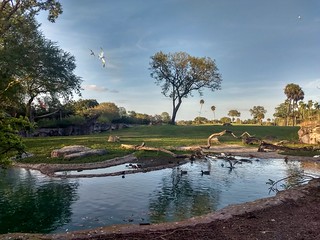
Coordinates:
<point>145,148</point>
<point>264,147</point>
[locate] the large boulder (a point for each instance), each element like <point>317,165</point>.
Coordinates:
<point>309,132</point>
<point>76,151</point>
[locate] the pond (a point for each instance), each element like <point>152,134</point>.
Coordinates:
<point>33,202</point>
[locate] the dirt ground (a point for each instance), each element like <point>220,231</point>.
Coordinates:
<point>291,214</point>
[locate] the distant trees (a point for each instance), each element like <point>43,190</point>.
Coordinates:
<point>234,113</point>
<point>294,94</point>
<point>179,74</point>
<point>213,109</point>
<point>258,113</point>
<point>201,105</point>
<point>165,117</point>
<point>225,120</point>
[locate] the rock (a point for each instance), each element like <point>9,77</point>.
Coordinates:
<point>22,156</point>
<point>74,151</point>
<point>309,132</point>
<point>113,138</point>
<point>91,152</point>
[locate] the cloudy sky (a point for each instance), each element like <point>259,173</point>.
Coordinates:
<point>259,47</point>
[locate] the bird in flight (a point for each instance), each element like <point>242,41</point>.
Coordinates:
<point>102,58</point>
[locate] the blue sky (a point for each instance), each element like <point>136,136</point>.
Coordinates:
<point>259,47</point>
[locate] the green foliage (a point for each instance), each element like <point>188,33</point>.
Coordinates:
<point>258,112</point>
<point>234,113</point>
<point>10,141</point>
<point>68,121</point>
<point>225,120</point>
<point>30,64</point>
<point>13,14</point>
<point>179,74</point>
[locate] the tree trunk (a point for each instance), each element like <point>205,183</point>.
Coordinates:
<point>29,109</point>
<point>175,110</point>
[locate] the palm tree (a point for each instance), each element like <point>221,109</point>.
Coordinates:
<point>201,104</point>
<point>213,108</point>
<point>294,94</point>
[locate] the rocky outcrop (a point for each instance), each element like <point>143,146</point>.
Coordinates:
<point>76,151</point>
<point>309,132</point>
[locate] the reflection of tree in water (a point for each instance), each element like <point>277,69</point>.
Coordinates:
<point>294,173</point>
<point>30,205</point>
<point>180,199</point>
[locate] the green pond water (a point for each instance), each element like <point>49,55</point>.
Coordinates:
<point>33,202</point>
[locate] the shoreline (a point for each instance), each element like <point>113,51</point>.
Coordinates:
<point>154,164</point>
<point>222,216</point>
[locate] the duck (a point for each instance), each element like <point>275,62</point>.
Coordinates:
<point>205,172</point>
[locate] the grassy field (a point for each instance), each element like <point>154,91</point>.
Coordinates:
<point>153,136</point>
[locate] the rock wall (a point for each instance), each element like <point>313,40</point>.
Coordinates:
<point>309,132</point>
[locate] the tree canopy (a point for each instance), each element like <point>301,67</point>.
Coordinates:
<point>15,13</point>
<point>258,112</point>
<point>179,74</point>
<point>234,113</point>
<point>294,94</point>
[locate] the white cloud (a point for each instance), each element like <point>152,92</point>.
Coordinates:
<point>96,88</point>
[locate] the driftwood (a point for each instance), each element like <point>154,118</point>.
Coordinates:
<point>143,147</point>
<point>264,146</point>
<point>197,150</point>
<point>215,136</point>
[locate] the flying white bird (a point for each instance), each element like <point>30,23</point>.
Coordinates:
<point>102,58</point>
<point>299,17</point>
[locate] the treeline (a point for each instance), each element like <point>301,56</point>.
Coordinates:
<point>88,111</point>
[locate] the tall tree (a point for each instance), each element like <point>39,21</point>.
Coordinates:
<point>179,74</point>
<point>16,25</point>
<point>213,109</point>
<point>50,72</point>
<point>281,112</point>
<point>294,94</point>
<point>201,105</point>
<point>258,112</point>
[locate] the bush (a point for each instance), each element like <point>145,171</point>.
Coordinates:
<point>66,122</point>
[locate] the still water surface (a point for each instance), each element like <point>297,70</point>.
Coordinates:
<point>33,202</point>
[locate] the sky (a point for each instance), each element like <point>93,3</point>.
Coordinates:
<point>258,46</point>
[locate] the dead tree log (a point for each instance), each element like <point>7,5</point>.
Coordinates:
<point>143,147</point>
<point>214,137</point>
<point>264,146</point>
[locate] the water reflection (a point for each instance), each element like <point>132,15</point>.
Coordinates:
<point>180,197</point>
<point>29,203</point>
<point>32,202</point>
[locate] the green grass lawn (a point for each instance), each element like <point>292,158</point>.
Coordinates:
<point>153,136</point>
